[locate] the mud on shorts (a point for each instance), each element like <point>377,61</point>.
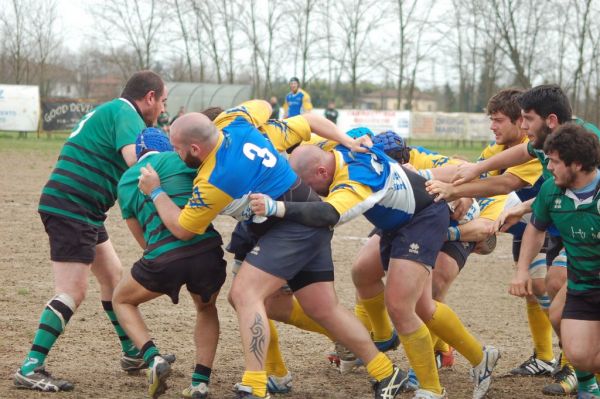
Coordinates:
<point>202,273</point>
<point>582,306</point>
<point>299,254</point>
<point>419,240</point>
<point>72,240</point>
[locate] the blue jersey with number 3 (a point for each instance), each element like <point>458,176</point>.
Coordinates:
<point>243,162</point>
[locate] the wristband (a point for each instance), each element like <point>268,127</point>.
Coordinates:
<point>453,234</point>
<point>426,173</point>
<point>156,192</point>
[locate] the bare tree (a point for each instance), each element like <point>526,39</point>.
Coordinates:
<point>16,39</point>
<point>357,20</point>
<point>207,27</point>
<point>133,24</point>
<point>46,39</point>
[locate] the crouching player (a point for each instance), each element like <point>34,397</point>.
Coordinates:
<point>167,264</point>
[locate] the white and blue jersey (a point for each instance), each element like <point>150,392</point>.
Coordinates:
<point>377,186</point>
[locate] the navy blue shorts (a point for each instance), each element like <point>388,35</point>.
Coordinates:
<point>551,247</point>
<point>420,240</point>
<point>299,254</point>
<point>72,240</point>
<point>459,251</point>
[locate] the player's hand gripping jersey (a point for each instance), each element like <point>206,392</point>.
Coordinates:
<point>244,161</point>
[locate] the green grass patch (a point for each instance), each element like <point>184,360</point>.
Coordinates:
<point>23,291</point>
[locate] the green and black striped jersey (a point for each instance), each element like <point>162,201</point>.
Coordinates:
<point>83,184</point>
<point>177,180</point>
<point>579,225</point>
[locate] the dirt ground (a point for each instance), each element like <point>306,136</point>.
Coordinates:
<point>88,353</point>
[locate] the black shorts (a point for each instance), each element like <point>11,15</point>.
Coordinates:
<point>72,240</point>
<point>459,251</point>
<point>299,254</point>
<point>582,307</point>
<point>203,274</point>
<point>420,240</point>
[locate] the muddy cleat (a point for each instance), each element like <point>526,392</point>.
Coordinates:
<point>534,367</point>
<point>444,359</point>
<point>482,373</point>
<point>199,391</point>
<point>245,392</point>
<point>388,344</point>
<point>136,363</point>
<point>279,384</point>
<point>344,359</point>
<point>423,394</point>
<point>157,377</point>
<point>565,383</point>
<point>389,387</point>
<point>41,380</point>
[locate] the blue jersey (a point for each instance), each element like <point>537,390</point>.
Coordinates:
<point>244,161</point>
<point>297,103</point>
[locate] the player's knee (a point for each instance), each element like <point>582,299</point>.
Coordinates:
<point>363,272</point>
<point>580,357</point>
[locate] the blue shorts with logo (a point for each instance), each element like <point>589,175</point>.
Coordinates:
<point>299,254</point>
<point>419,240</point>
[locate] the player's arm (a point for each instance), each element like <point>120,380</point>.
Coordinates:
<point>443,173</point>
<point>128,153</point>
<point>531,244</point>
<point>313,214</point>
<point>136,231</point>
<point>476,230</point>
<point>510,157</point>
<point>512,216</point>
<point>532,241</point>
<point>488,187</point>
<point>323,127</point>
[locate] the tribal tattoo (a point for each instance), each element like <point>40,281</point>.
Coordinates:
<point>257,344</point>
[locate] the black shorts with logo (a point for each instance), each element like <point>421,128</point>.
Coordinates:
<point>203,274</point>
<point>72,240</point>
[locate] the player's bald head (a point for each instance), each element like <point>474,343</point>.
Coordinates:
<point>193,127</point>
<point>306,158</point>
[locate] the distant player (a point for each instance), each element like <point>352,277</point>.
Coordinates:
<point>297,101</point>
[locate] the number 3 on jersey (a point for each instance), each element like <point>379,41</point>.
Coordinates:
<point>251,151</point>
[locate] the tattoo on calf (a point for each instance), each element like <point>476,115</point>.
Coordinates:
<point>257,343</point>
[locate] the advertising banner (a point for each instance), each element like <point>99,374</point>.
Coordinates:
<point>19,108</point>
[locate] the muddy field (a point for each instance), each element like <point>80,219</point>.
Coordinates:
<point>88,353</point>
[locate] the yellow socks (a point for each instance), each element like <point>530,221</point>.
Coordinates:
<point>438,344</point>
<point>361,314</point>
<point>380,320</point>
<point>541,331</point>
<point>257,380</point>
<point>446,325</point>
<point>300,319</point>
<point>274,364</point>
<point>380,367</point>
<point>419,350</point>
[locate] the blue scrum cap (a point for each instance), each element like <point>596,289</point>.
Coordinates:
<point>393,145</point>
<point>152,139</point>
